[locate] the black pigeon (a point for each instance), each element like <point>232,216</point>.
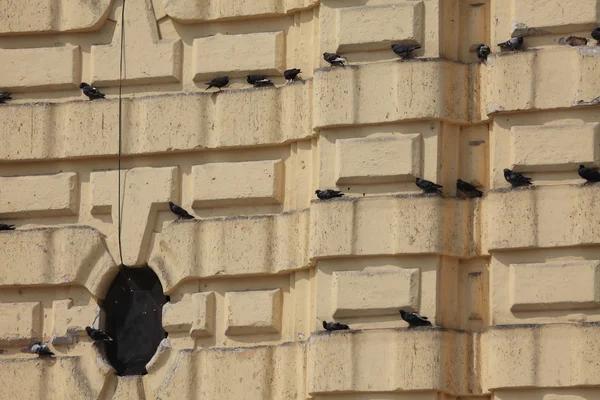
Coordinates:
<point>98,335</point>
<point>428,186</point>
<point>515,178</point>
<point>467,189</point>
<point>334,59</point>
<point>180,212</point>
<point>328,194</point>
<point>291,74</point>
<point>41,349</point>
<point>404,50</point>
<point>91,92</point>
<point>589,174</point>
<point>218,82</point>
<point>483,52</point>
<point>258,80</point>
<point>7,227</point>
<point>513,43</point>
<point>414,319</point>
<point>334,326</point>
<point>596,34</point>
<point>4,96</point>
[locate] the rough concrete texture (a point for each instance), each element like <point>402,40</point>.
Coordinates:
<point>510,281</point>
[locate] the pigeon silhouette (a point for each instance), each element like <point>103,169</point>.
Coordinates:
<point>39,348</point>
<point>334,326</point>
<point>291,74</point>
<point>467,189</point>
<point>516,178</point>
<point>483,52</point>
<point>328,194</point>
<point>589,174</point>
<point>98,335</point>
<point>218,82</point>
<point>414,319</point>
<point>91,92</point>
<point>596,34</point>
<point>180,212</point>
<point>4,96</point>
<point>428,186</point>
<point>7,227</point>
<point>258,80</point>
<point>334,59</point>
<point>404,50</point>
<point>513,43</point>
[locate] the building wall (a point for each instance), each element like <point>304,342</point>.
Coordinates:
<point>511,281</point>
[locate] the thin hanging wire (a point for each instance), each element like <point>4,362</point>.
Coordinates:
<point>119,209</point>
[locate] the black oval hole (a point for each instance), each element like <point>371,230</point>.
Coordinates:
<point>133,307</point>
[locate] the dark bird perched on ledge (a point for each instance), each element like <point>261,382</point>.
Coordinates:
<point>467,189</point>
<point>589,174</point>
<point>428,186</point>
<point>180,212</point>
<point>514,43</point>
<point>291,74</point>
<point>39,348</point>
<point>516,178</point>
<point>218,82</point>
<point>7,227</point>
<point>328,194</point>
<point>404,50</point>
<point>98,335</point>
<point>4,96</point>
<point>596,34</point>
<point>334,59</point>
<point>91,92</point>
<point>483,52</point>
<point>414,319</point>
<point>258,80</point>
<point>334,326</point>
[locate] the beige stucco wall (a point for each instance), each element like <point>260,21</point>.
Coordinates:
<point>511,281</point>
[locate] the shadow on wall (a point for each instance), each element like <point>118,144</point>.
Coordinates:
<point>133,307</point>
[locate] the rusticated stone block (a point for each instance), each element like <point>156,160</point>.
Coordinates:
<point>376,27</point>
<point>45,16</point>
<point>255,182</point>
<point>70,321</point>
<point>254,52</point>
<point>383,159</point>
<point>193,314</point>
<point>544,147</point>
<point>21,323</point>
<point>548,394</point>
<point>40,195</point>
<point>543,16</point>
<point>375,292</point>
<point>203,10</point>
<point>22,70</point>
<point>264,316</point>
<point>566,285</point>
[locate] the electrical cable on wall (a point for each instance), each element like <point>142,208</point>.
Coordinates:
<point>119,208</point>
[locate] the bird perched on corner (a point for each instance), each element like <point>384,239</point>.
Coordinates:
<point>483,52</point>
<point>218,82</point>
<point>404,50</point>
<point>91,92</point>
<point>334,59</point>
<point>180,212</point>
<point>258,80</point>
<point>98,335</point>
<point>596,34</point>
<point>39,348</point>
<point>291,74</point>
<point>589,174</point>
<point>414,319</point>
<point>516,178</point>
<point>428,186</point>
<point>4,96</point>
<point>514,43</point>
<point>7,227</point>
<point>334,326</point>
<point>328,194</point>
<point>467,189</point>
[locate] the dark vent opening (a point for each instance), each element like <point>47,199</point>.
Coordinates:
<point>133,307</point>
